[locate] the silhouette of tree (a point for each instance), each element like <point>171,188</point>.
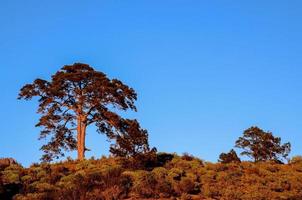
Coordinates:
<point>78,96</point>
<point>229,157</point>
<point>131,140</point>
<point>262,146</point>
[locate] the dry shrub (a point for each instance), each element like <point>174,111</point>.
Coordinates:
<point>108,179</point>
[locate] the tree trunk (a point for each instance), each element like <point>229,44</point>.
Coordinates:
<point>81,133</point>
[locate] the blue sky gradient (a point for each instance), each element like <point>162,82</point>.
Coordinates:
<point>204,70</point>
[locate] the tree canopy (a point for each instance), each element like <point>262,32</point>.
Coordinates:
<point>133,140</point>
<point>78,96</point>
<point>262,146</point>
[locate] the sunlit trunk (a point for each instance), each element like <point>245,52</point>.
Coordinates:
<point>81,133</point>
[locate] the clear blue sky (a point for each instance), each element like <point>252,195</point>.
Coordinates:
<point>204,70</point>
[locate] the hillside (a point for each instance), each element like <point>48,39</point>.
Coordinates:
<point>166,177</point>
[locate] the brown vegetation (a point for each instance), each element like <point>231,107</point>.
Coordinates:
<point>181,178</point>
<point>262,146</point>
<point>78,96</point>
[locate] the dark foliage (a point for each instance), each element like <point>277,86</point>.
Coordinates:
<point>163,158</point>
<point>76,97</point>
<point>131,141</point>
<point>262,146</point>
<point>230,157</point>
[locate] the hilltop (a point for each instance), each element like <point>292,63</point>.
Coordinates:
<point>168,176</point>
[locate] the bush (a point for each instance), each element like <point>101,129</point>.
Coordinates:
<point>229,157</point>
<point>145,184</point>
<point>179,178</point>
